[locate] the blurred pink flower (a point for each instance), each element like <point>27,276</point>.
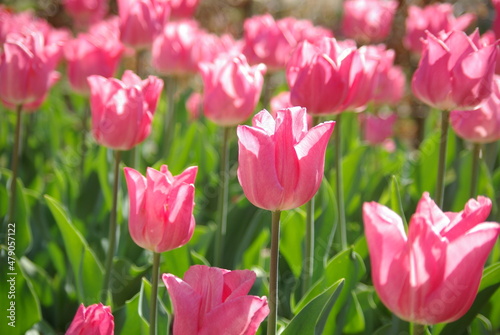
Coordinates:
<point>377,128</point>
<point>368,21</point>
<point>85,12</point>
<point>122,110</point>
<point>432,274</point>
<point>435,18</point>
<point>182,9</point>
<point>93,320</point>
<point>194,105</point>
<point>211,300</point>
<point>481,125</point>
<point>161,208</point>
<point>281,162</point>
<point>455,71</point>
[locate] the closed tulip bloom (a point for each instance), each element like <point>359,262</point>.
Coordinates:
<point>140,21</point>
<point>27,70</point>
<point>231,89</point>
<point>211,300</point>
<point>85,12</point>
<point>481,125</point>
<point>93,320</point>
<point>455,71</point>
<point>368,21</point>
<point>161,208</point>
<point>433,18</point>
<point>122,110</point>
<point>432,274</point>
<point>281,162</point>
<point>377,128</point>
<point>182,9</point>
<point>89,55</point>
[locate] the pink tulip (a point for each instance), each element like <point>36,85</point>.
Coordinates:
<point>434,19</point>
<point>231,89</point>
<point>281,162</point>
<point>93,320</point>
<point>496,20</point>
<point>368,21</point>
<point>271,42</point>
<point>173,46</point>
<point>282,101</point>
<point>454,71</point>
<point>122,111</point>
<point>377,128</point>
<point>182,9</point>
<point>89,55</point>
<point>211,300</point>
<point>27,70</point>
<point>489,38</point>
<point>194,105</point>
<point>85,12</point>
<point>141,21</point>
<point>481,125</point>
<point>161,208</point>
<point>433,274</point>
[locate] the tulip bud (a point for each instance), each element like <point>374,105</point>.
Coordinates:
<point>95,319</point>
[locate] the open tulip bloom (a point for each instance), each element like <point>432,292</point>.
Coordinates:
<point>432,274</point>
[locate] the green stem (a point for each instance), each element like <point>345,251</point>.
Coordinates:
<point>476,158</point>
<point>112,229</point>
<point>443,147</point>
<point>154,293</point>
<point>83,144</point>
<point>273,273</point>
<point>168,123</point>
<point>417,329</point>
<point>340,182</point>
<point>15,163</point>
<point>223,197</point>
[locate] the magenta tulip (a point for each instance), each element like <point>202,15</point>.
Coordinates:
<point>455,71</point>
<point>182,9</point>
<point>161,208</point>
<point>211,300</point>
<point>481,125</point>
<point>281,162</point>
<point>27,70</point>
<point>496,21</point>
<point>93,320</point>
<point>368,21</point>
<point>141,21</point>
<point>231,89</point>
<point>122,110</point>
<point>89,55</point>
<point>433,18</point>
<point>85,12</point>
<point>432,274</point>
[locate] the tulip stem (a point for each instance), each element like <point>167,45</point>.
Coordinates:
<point>273,273</point>
<point>112,229</point>
<point>223,198</point>
<point>154,293</point>
<point>443,147</point>
<point>168,123</point>
<point>417,329</point>
<point>15,163</point>
<point>476,158</point>
<point>83,145</point>
<point>340,182</point>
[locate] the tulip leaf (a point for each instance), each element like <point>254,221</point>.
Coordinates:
<point>127,318</point>
<point>312,317</point>
<point>87,270</point>
<point>163,318</point>
<point>490,283</point>
<point>19,305</point>
<point>292,228</point>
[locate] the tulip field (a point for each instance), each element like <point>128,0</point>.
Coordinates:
<point>196,167</point>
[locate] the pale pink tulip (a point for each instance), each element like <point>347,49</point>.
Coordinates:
<point>93,320</point>
<point>231,90</point>
<point>368,21</point>
<point>377,129</point>
<point>481,125</point>
<point>281,162</point>
<point>194,105</point>
<point>211,300</point>
<point>122,110</point>
<point>455,71</point>
<point>435,18</point>
<point>432,274</point>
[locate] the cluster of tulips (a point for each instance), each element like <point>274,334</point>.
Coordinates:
<point>425,272</point>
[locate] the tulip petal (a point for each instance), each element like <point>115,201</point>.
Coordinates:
<point>208,283</point>
<point>136,185</point>
<point>237,283</point>
<point>186,304</point>
<point>475,212</point>
<point>428,209</point>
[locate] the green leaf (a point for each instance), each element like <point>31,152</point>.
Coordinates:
<point>127,319</point>
<point>162,318</point>
<point>312,317</point>
<point>19,305</point>
<point>87,270</point>
<point>292,233</point>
